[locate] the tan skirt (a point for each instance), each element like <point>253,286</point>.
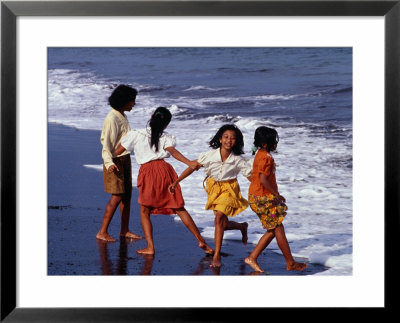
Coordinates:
<point>119,182</point>
<point>153,180</point>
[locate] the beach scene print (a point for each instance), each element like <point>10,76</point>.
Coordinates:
<point>304,93</point>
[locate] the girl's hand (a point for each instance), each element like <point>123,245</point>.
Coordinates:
<point>195,165</point>
<point>171,188</point>
<point>113,169</point>
<point>281,199</point>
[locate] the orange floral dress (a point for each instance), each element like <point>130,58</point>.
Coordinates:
<point>270,211</point>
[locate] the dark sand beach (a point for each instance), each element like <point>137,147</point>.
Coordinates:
<point>76,201</point>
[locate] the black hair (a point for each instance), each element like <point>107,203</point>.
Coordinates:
<point>239,144</point>
<point>158,122</point>
<point>264,135</point>
<point>122,95</point>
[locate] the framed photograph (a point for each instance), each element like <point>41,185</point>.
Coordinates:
<point>325,74</point>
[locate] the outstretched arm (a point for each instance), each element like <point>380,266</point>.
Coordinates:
<point>193,164</point>
<point>188,171</point>
<point>119,150</point>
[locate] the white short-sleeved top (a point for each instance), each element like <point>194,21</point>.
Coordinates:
<point>139,140</point>
<point>227,170</point>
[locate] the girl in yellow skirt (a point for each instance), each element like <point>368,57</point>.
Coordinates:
<point>265,200</point>
<point>222,165</point>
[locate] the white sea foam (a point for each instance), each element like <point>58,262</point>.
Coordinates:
<point>204,88</point>
<point>95,167</point>
<point>310,171</point>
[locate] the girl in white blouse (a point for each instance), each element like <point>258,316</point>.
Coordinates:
<point>151,146</point>
<point>222,165</point>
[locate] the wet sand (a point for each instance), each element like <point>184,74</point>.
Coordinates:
<point>76,201</point>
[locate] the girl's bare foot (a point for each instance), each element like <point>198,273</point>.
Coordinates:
<point>146,251</point>
<point>296,266</point>
<point>244,232</point>
<point>130,235</point>
<point>216,263</point>
<point>207,249</point>
<point>253,264</point>
<point>105,237</point>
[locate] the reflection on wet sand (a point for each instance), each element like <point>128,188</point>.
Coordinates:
<point>122,261</point>
<point>106,263</point>
<point>205,262</point>
<point>258,273</point>
<point>148,264</point>
<point>122,258</point>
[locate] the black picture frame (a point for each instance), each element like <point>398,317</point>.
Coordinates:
<point>10,10</point>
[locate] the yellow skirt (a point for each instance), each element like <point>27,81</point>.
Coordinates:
<point>225,197</point>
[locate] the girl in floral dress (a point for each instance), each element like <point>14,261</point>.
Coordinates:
<point>265,200</point>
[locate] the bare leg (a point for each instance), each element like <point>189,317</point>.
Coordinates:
<point>108,215</point>
<point>220,222</point>
<point>285,248</point>
<point>232,225</point>
<point>189,223</point>
<point>264,241</point>
<point>147,230</point>
<point>125,208</point>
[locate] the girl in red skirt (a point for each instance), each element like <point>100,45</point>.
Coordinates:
<point>151,146</point>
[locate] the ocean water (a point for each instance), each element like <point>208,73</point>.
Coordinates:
<point>304,93</point>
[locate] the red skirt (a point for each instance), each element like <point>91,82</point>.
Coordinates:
<point>153,180</point>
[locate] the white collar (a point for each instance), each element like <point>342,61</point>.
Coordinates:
<point>216,157</point>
